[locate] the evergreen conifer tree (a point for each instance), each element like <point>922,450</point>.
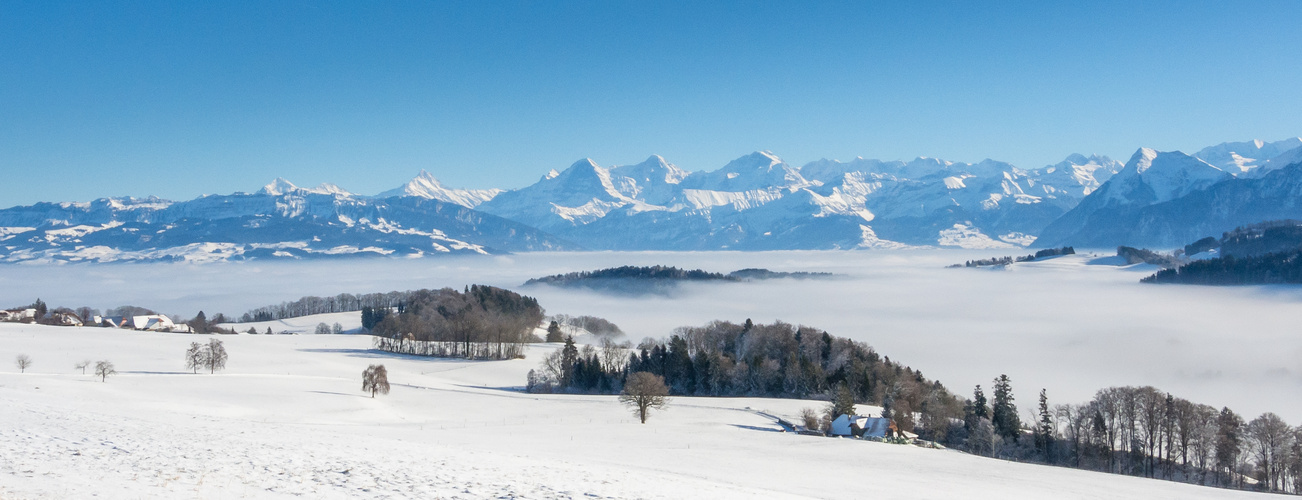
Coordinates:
<point>569,358</point>
<point>554,332</point>
<point>1003,413</point>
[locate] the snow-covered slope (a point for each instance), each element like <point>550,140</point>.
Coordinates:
<point>280,221</point>
<point>426,186</point>
<point>286,419</point>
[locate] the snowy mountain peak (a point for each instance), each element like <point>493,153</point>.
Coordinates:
<point>551,174</point>
<point>1142,160</point>
<point>1153,177</point>
<point>279,187</point>
<point>424,185</point>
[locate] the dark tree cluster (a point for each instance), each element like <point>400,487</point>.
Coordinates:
<point>1275,268</point>
<point>482,322</point>
<point>777,360</point>
<point>1006,260</point>
<point>630,272</point>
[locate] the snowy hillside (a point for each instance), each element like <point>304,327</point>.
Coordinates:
<point>280,221</point>
<point>286,419</point>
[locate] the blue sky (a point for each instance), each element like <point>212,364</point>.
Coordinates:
<point>178,99</point>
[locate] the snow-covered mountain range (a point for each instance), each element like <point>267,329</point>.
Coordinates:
<point>759,202</point>
<point>756,202</point>
<point>280,221</point>
<point>1172,199</point>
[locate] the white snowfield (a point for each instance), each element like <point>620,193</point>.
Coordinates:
<point>287,419</point>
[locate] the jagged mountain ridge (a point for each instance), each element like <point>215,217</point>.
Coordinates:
<point>759,202</point>
<point>280,221</point>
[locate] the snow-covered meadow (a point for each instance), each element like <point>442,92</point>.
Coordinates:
<point>287,419</point>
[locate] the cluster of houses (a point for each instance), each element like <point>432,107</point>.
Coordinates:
<point>148,322</point>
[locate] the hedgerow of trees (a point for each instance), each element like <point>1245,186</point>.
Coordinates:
<point>344,302</point>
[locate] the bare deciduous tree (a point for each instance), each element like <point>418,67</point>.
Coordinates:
<point>322,329</point>
<point>614,356</point>
<point>375,379</point>
<point>103,369</point>
<point>82,366</point>
<point>196,357</point>
<point>216,356</point>
<point>23,361</point>
<point>644,391</point>
<point>810,418</point>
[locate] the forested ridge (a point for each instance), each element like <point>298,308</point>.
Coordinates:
<point>1274,268</point>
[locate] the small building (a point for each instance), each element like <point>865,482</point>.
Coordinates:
<point>18,315</point>
<point>153,322</point>
<point>66,319</point>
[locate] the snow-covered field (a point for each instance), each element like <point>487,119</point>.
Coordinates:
<point>286,419</point>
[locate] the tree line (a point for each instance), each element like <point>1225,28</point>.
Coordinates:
<point>344,302</point>
<point>1008,259</point>
<point>481,322</point>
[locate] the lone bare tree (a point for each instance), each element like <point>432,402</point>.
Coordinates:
<point>103,369</point>
<point>196,357</point>
<point>23,361</point>
<point>644,391</point>
<point>375,379</point>
<point>216,356</point>
<point>82,366</point>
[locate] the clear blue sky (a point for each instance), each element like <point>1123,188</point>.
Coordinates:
<point>178,99</point>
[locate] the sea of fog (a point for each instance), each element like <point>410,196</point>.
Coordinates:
<point>1070,325</point>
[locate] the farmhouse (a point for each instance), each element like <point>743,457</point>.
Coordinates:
<point>862,427</point>
<point>65,319</point>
